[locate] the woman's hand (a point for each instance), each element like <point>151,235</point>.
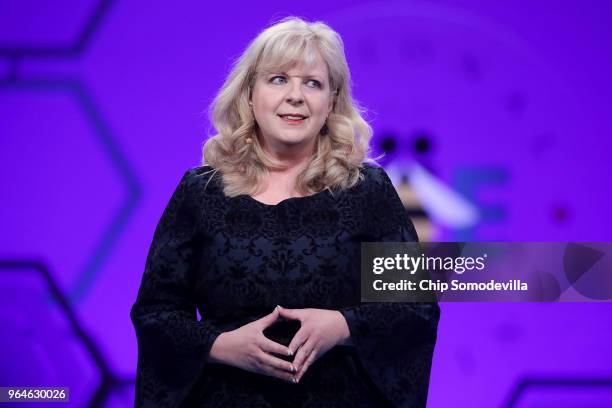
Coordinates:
<point>247,348</point>
<point>320,330</point>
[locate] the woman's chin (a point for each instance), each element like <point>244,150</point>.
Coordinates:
<point>292,141</point>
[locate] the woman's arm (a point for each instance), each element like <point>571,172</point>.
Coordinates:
<point>172,344</point>
<point>394,340</point>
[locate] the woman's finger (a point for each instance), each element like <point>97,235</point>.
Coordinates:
<point>268,319</point>
<point>292,314</point>
<point>298,340</point>
<point>269,360</point>
<point>311,358</point>
<point>303,353</point>
<point>275,372</point>
<point>270,346</point>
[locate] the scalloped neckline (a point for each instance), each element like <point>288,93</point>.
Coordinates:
<point>288,199</point>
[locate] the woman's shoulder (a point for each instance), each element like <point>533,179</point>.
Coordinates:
<point>203,177</point>
<point>201,171</point>
<point>376,183</point>
<point>374,174</point>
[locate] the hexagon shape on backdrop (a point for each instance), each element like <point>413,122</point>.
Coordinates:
<point>42,348</point>
<point>65,186</point>
<point>61,27</point>
<point>563,392</point>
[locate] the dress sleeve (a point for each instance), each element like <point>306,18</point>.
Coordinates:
<point>172,344</point>
<point>394,341</point>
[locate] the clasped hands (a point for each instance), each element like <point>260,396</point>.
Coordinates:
<point>246,347</point>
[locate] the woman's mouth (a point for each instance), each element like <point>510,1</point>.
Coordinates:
<point>293,119</point>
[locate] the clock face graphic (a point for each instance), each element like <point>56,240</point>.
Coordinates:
<point>466,98</point>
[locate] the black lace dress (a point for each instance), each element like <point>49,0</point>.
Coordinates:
<point>235,259</point>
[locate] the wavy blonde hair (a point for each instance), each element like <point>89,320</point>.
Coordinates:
<point>342,144</point>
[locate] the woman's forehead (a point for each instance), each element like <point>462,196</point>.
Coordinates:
<point>297,66</point>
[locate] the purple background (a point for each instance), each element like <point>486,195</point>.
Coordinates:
<point>103,107</point>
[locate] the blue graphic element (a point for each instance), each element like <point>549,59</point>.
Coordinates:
<point>467,181</point>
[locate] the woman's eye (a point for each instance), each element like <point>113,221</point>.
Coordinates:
<point>278,80</point>
<point>313,83</point>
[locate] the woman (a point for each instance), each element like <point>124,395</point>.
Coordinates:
<point>276,217</point>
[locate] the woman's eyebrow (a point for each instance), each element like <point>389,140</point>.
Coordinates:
<point>273,72</point>
<point>312,75</point>
<point>316,76</point>
<point>309,76</point>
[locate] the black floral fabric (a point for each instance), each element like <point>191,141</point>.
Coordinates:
<point>234,259</point>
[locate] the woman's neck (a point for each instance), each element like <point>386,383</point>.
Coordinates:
<point>294,161</point>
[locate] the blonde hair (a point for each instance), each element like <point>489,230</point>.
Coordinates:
<point>341,146</point>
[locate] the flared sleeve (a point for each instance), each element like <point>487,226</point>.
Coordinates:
<point>172,344</point>
<point>394,341</point>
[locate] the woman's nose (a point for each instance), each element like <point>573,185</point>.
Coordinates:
<point>294,92</point>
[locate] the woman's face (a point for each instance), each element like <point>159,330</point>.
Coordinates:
<point>291,107</point>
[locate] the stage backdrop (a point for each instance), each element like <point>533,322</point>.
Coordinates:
<point>103,106</point>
